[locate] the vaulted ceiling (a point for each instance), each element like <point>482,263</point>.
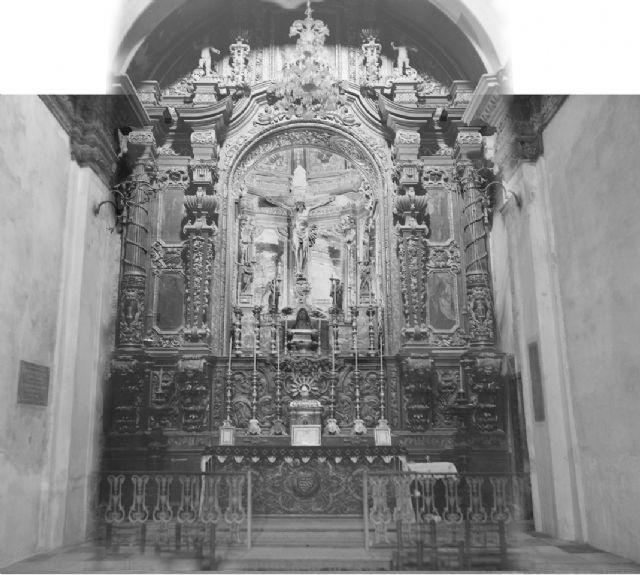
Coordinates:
<point>163,37</point>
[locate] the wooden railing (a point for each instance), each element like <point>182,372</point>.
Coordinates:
<point>445,521</point>
<point>178,512</point>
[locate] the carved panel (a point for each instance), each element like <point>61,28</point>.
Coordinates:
<point>132,307</point>
<point>313,487</point>
<point>193,393</point>
<point>418,386</point>
<point>443,301</point>
<point>412,249</point>
<point>127,383</point>
<point>448,385</point>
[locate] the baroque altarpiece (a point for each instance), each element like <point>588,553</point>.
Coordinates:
<point>305,222</point>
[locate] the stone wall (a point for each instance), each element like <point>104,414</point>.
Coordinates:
<point>58,288</point>
<point>569,277</point>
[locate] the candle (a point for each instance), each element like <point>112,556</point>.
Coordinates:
<point>255,351</point>
<point>356,343</point>
<point>380,335</point>
<point>333,352</point>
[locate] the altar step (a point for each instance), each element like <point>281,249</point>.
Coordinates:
<point>308,531</point>
<point>298,543</point>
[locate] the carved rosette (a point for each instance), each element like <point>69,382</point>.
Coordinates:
<point>412,249</point>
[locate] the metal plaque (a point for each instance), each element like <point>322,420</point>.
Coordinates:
<point>33,384</point>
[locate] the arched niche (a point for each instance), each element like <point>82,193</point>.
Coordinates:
<point>367,165</point>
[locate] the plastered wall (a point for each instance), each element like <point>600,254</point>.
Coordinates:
<point>57,291</point>
<point>591,149</point>
<point>565,276</point>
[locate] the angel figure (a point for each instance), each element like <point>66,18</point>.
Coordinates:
<point>402,62</point>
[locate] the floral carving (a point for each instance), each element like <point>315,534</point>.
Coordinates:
<point>412,249</point>
<point>444,257</point>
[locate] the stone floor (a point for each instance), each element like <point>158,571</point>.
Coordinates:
<point>535,553</point>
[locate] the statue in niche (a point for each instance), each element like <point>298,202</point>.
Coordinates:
<point>303,321</point>
<point>402,60</point>
<point>246,238</point>
<point>337,290</point>
<point>246,277</point>
<point>365,278</point>
<point>348,227</point>
<point>273,287</point>
<point>302,336</point>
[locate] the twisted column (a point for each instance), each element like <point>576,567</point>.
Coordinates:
<point>479,295</point>
<point>138,188</point>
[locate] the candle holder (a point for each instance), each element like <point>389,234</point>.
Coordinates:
<point>237,331</point>
<point>254,424</point>
<point>332,427</point>
<point>274,330</point>
<point>278,427</point>
<point>371,313</point>
<point>227,431</point>
<point>257,315</point>
<point>354,330</point>
<point>359,428</point>
<point>286,312</point>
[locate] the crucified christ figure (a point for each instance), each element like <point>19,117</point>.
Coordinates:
<point>301,232</point>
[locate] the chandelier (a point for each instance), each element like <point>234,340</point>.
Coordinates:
<point>307,85</point>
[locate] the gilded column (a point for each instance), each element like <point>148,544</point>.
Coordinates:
<point>138,187</point>
<point>479,295</point>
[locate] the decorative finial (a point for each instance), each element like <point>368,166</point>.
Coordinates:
<point>308,11</point>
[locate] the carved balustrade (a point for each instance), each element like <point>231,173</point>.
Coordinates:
<point>174,511</point>
<point>453,517</point>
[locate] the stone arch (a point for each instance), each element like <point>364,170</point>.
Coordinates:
<point>366,151</point>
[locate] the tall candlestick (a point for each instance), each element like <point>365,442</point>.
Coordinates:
<point>229,386</point>
<point>358,425</point>
<point>254,424</point>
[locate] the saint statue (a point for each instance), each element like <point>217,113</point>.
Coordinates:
<point>402,62</point>
<point>205,61</point>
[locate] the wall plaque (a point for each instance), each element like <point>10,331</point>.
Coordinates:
<point>33,384</point>
<point>536,382</point>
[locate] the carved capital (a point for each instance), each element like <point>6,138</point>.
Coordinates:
<point>204,137</point>
<point>468,143</point>
<point>406,144</point>
<point>143,138</point>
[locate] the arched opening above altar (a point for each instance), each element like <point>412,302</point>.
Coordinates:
<point>307,254</point>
